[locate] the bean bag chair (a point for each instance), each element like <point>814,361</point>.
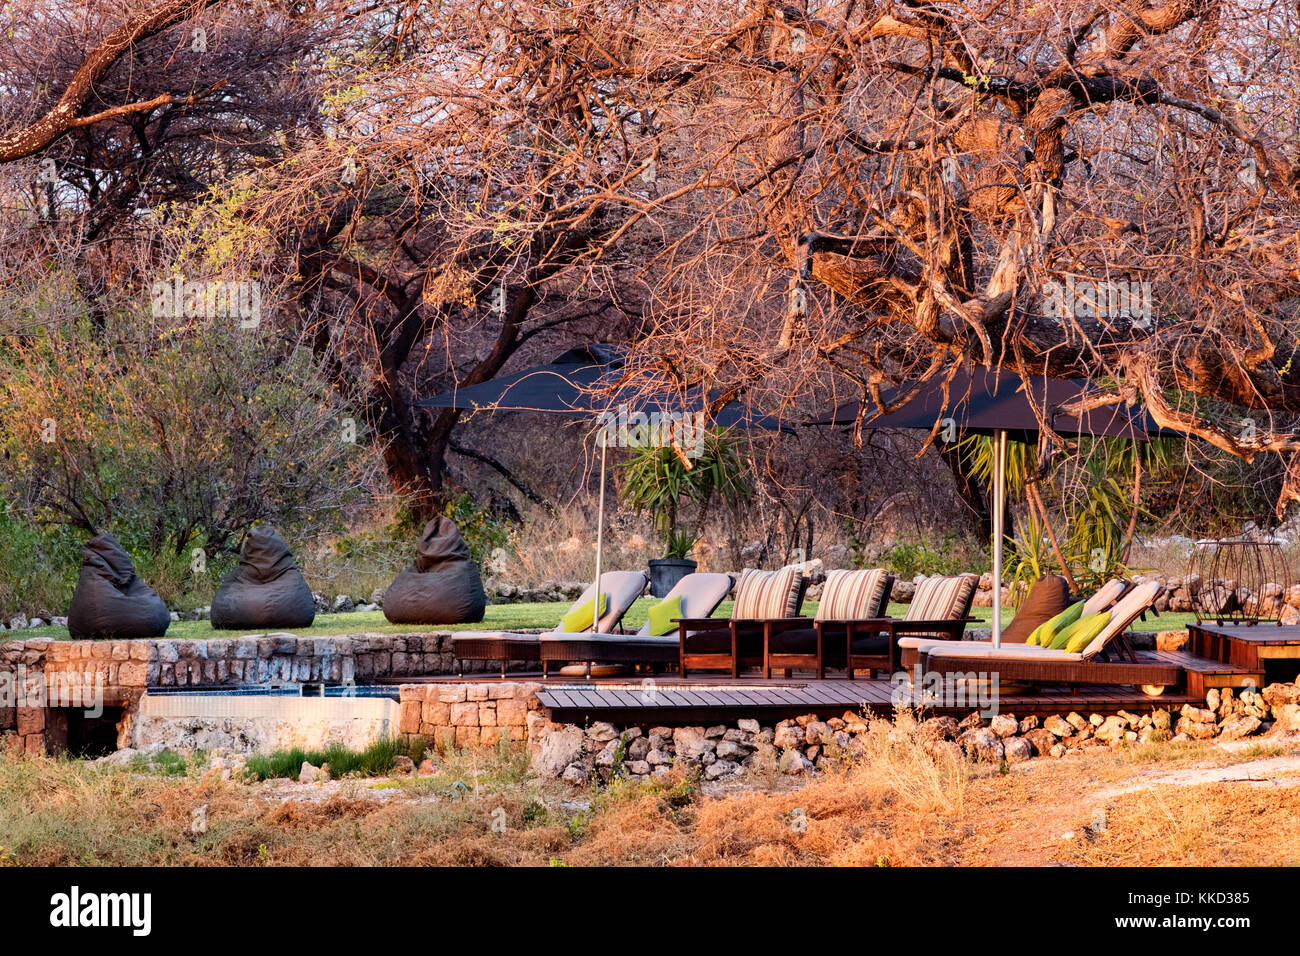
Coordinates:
<point>110,601</point>
<point>266,591</point>
<point>442,586</point>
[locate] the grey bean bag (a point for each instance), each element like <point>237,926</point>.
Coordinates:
<point>110,601</point>
<point>442,586</point>
<point>267,590</point>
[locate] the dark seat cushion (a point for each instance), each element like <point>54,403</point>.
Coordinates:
<point>749,642</point>
<point>1047,597</point>
<point>110,601</point>
<point>266,590</point>
<point>442,586</point>
<point>804,641</point>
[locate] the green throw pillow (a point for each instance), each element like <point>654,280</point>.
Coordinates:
<point>1045,633</point>
<point>662,614</point>
<point>1080,634</point>
<point>580,618</point>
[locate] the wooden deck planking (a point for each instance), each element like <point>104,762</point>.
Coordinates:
<point>828,698</point>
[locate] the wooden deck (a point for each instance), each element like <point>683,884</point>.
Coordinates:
<point>670,700</point>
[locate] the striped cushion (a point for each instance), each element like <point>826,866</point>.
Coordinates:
<point>852,595</point>
<point>942,599</point>
<point>767,594</point>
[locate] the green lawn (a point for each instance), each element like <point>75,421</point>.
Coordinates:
<point>506,617</point>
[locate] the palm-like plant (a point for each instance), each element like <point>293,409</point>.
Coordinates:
<point>1104,503</point>
<point>659,480</point>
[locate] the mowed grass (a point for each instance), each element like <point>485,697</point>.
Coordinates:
<point>504,617</point>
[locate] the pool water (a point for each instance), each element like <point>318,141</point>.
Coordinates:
<point>283,690</point>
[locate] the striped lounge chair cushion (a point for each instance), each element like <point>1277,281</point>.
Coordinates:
<point>767,594</point>
<point>942,599</point>
<point>852,595</point>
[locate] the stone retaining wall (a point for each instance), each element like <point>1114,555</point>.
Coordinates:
<point>471,715</point>
<point>41,677</point>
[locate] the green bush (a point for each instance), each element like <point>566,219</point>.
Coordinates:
<point>375,761</point>
<point>951,556</point>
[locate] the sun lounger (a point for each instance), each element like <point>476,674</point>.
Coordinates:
<point>1031,614</point>
<point>701,593</point>
<point>623,588</point>
<point>1108,658</point>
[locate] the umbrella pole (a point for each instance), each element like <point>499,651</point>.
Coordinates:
<point>999,504</point>
<point>600,534</point>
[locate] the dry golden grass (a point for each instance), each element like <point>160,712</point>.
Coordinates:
<point>888,805</point>
<point>1209,825</point>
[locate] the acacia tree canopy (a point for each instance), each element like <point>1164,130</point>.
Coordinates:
<point>791,199</point>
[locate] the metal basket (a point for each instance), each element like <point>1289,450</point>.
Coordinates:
<point>1241,581</point>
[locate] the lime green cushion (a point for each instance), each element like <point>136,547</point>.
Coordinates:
<point>1080,634</point>
<point>1045,633</point>
<point>662,614</point>
<point>581,617</point>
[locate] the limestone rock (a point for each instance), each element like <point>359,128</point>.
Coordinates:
<point>1112,728</point>
<point>1234,728</point>
<point>938,728</point>
<point>1058,726</point>
<point>982,744</point>
<point>1017,749</point>
<point>690,743</point>
<point>1195,730</point>
<point>308,773</point>
<point>560,747</point>
<point>720,768</point>
<point>793,762</point>
<point>1004,725</point>
<point>788,735</point>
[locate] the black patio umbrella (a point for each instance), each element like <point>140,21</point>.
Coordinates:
<point>999,402</point>
<point>584,383</point>
<point>986,401</point>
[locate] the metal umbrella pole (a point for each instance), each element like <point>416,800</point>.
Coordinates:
<point>999,505</point>
<point>600,532</point>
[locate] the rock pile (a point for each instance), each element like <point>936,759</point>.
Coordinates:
<point>809,743</point>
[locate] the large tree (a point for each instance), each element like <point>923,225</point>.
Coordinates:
<point>805,197</point>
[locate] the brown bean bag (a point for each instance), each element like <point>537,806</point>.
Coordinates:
<point>442,586</point>
<point>1047,597</point>
<point>266,590</point>
<point>110,601</point>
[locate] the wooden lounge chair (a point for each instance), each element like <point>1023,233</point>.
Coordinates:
<point>848,599</point>
<point>701,593</point>
<point>764,599</point>
<point>1108,658</point>
<point>1031,614</point>
<point>940,610</point>
<point>623,588</point>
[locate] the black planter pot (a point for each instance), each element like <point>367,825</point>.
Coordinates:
<point>666,572</point>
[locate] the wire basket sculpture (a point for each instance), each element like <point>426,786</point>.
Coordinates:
<point>1239,581</point>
